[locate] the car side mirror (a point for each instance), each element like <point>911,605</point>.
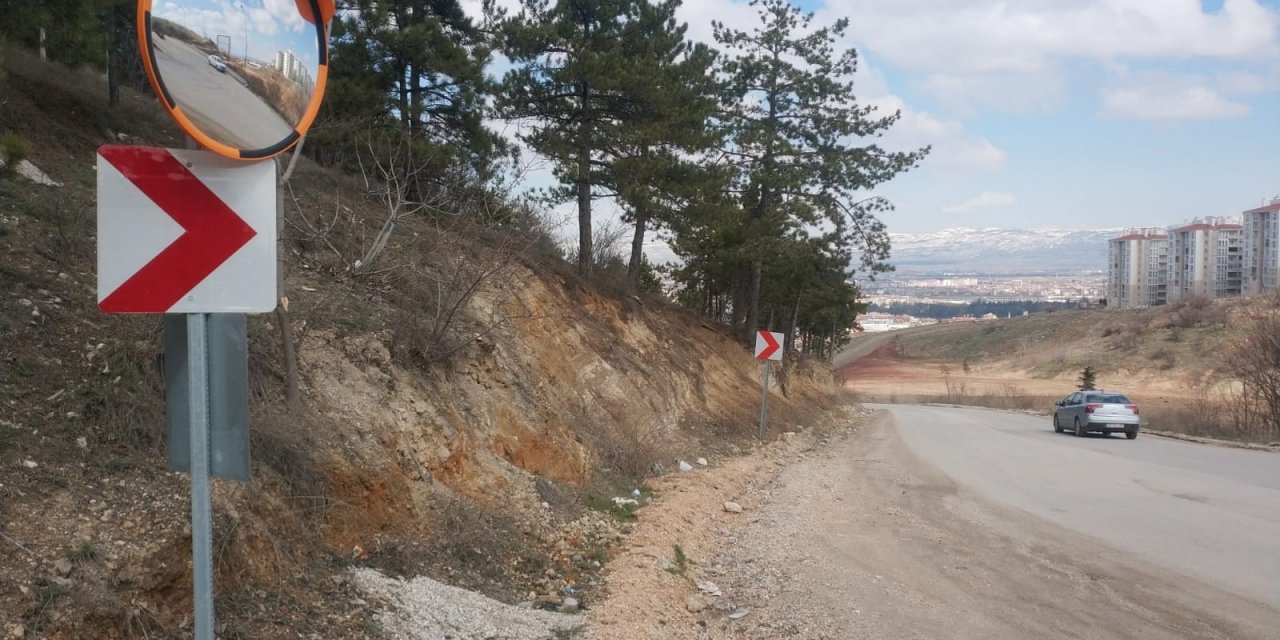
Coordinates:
<point>1059,403</point>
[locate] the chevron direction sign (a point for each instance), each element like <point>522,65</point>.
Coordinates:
<point>183,231</point>
<point>769,345</point>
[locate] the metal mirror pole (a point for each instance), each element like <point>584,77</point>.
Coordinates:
<point>201,498</point>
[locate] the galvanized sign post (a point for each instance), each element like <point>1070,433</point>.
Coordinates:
<point>769,349</point>
<point>201,498</point>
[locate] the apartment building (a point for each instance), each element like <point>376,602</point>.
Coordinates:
<point>1261,238</point>
<point>1138,269</point>
<point>1206,258</point>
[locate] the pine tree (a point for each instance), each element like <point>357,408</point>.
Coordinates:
<point>1088,377</point>
<point>655,168</point>
<point>577,83</point>
<point>415,67</point>
<point>795,138</point>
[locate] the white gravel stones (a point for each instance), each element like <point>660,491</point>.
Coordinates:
<point>423,609</point>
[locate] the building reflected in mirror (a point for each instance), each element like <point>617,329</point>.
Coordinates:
<point>289,64</point>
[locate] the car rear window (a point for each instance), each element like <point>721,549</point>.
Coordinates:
<point>1110,398</point>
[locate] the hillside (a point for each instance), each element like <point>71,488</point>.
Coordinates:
<point>1176,360</point>
<point>475,439</point>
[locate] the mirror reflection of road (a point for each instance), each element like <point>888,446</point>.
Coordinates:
<point>216,101</point>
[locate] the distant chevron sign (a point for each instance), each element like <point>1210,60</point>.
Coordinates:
<point>769,345</point>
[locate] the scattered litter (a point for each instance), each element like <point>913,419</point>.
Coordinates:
<point>624,502</point>
<point>685,466</point>
<point>709,588</point>
<point>30,464</point>
<point>739,614</point>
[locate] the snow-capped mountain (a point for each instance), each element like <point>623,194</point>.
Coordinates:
<point>997,250</point>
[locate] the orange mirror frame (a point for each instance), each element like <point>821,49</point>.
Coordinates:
<point>308,9</point>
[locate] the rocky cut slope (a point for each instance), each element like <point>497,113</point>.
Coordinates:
<point>483,451</point>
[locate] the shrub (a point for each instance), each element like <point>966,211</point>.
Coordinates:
<point>630,450</point>
<point>13,150</point>
<point>1254,361</point>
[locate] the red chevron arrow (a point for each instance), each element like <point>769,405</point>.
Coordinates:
<point>212,232</point>
<point>770,345</point>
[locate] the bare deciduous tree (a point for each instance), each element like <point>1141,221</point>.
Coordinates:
<point>1254,362</point>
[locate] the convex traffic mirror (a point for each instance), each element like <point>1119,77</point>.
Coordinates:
<point>243,78</point>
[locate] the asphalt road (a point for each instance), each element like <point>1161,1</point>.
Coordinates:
<point>216,101</point>
<point>1212,513</point>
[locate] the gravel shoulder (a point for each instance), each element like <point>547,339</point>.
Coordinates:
<point>862,540</point>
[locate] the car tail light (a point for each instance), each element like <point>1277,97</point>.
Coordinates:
<point>1133,408</point>
<point>1088,408</point>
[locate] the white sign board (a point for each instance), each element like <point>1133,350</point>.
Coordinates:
<point>769,345</point>
<point>183,231</point>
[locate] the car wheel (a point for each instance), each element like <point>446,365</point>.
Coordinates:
<point>1056,427</point>
<point>1079,430</point>
<point>1131,434</point>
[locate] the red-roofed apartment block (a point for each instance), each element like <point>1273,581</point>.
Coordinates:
<point>1137,268</point>
<point>1206,257</point>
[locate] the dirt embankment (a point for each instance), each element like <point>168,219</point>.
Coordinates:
<point>493,468</point>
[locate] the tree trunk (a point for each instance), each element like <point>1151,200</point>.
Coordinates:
<point>585,253</point>
<point>114,63</point>
<point>753,299</point>
<point>795,319</point>
<point>637,245</point>
<point>415,104</point>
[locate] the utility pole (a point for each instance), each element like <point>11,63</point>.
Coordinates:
<point>246,33</point>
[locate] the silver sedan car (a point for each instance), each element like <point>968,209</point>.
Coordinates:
<point>1099,411</point>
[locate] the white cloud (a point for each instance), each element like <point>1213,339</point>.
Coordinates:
<point>1245,82</point>
<point>1169,97</point>
<point>997,35</point>
<point>982,200</point>
<point>955,150</point>
<point>1014,55</point>
<point>968,94</point>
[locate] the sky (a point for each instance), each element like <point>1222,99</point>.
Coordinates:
<point>1064,113</point>
<point>1069,114</point>
<point>269,25</point>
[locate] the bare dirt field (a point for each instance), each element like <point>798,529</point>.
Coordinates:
<point>885,375</point>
